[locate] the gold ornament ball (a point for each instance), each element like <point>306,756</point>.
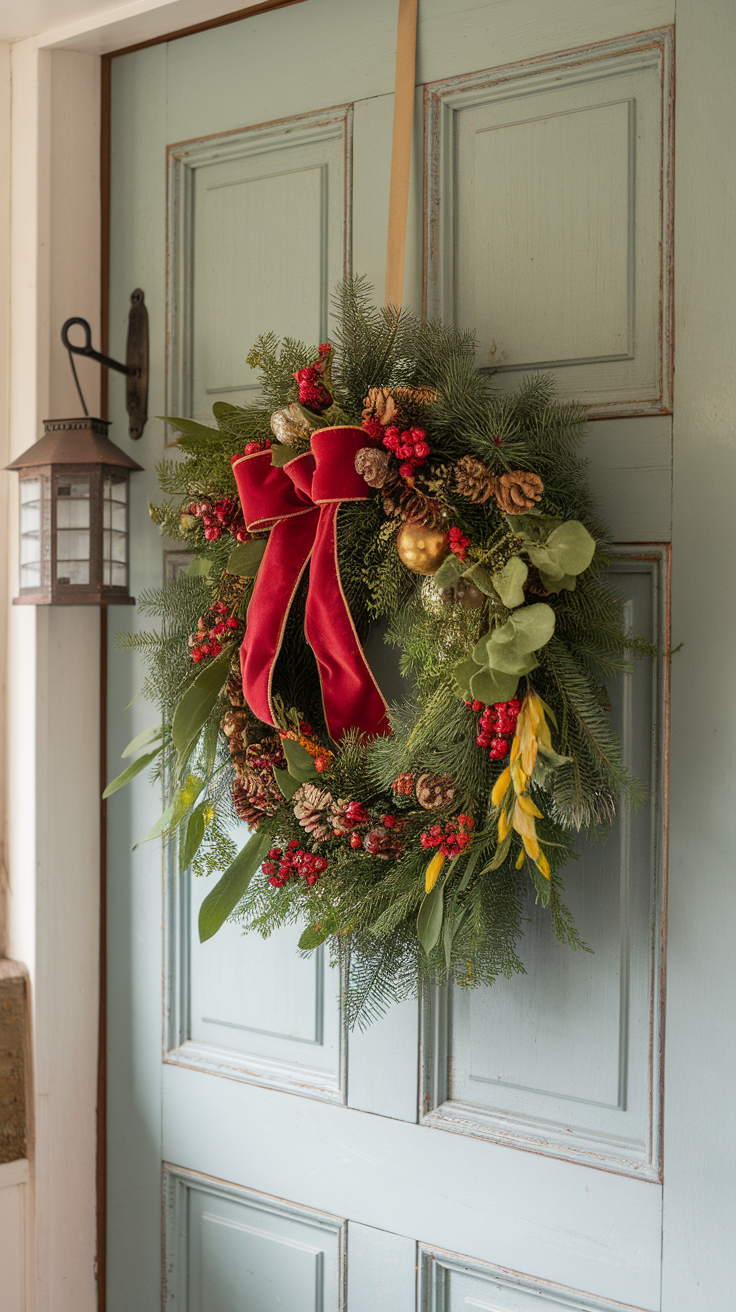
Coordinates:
<point>422,550</point>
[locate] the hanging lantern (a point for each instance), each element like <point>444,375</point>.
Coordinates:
<point>74,516</point>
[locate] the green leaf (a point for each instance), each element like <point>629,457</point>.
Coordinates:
<point>545,562</point>
<point>556,584</point>
<point>281,454</point>
<point>130,772</point>
<point>300,762</point>
<point>196,826</point>
<point>429,919</point>
<point>491,686</point>
<point>509,660</point>
<point>463,672</point>
<point>313,936</point>
<point>499,856</point>
<point>230,888</point>
<point>478,574</point>
<point>183,798</point>
<point>142,740</point>
<point>221,408</point>
<point>448,573</point>
<point>190,427</point>
<point>198,702</point>
<point>572,546</point>
<point>200,567</point>
<point>246,557</point>
<point>286,782</point>
<point>509,582</point>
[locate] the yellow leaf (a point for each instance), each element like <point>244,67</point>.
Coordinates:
<point>519,777</point>
<point>433,870</point>
<point>500,787</point>
<point>531,845</point>
<point>515,746</point>
<point>504,824</point>
<point>526,804</point>
<point>543,864</point>
<point>520,859</point>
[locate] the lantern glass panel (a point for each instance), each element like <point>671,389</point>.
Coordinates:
<point>115,531</point>
<point>72,529</point>
<point>30,533</point>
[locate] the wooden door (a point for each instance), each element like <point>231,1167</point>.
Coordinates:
<point>497,1149</point>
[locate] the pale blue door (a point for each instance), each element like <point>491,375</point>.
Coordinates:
<point>498,1149</point>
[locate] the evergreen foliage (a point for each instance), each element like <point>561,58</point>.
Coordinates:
<point>364,904</point>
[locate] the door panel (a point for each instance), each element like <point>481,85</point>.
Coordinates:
<point>296,1168</point>
<point>567,1058</point>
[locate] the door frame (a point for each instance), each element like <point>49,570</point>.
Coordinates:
<point>50,268</point>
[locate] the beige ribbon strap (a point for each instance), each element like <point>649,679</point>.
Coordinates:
<point>398,204</point>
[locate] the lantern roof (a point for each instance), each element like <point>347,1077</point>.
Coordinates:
<point>81,441</point>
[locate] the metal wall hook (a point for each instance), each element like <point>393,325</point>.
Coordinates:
<point>136,360</point>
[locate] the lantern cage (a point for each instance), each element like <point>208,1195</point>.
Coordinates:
<point>74,517</point>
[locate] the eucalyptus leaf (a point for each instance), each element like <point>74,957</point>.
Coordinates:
<point>491,686</point>
<point>572,546</point>
<point>557,584</point>
<point>246,558</point>
<point>429,919</point>
<point>448,574</point>
<point>230,888</point>
<point>142,740</point>
<point>479,575</point>
<point>286,782</point>
<point>545,561</point>
<point>130,772</point>
<point>529,628</point>
<point>509,660</point>
<point>509,582</point>
<point>300,761</point>
<point>199,701</point>
<point>313,936</point>
<point>463,672</point>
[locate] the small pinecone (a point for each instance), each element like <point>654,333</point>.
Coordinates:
<point>374,465</point>
<point>235,687</point>
<point>402,502</point>
<point>234,726</point>
<point>379,404</point>
<point>252,799</point>
<point>293,424</point>
<point>518,491</point>
<point>379,841</point>
<point>434,791</point>
<point>341,824</point>
<point>474,480</point>
<point>310,804</point>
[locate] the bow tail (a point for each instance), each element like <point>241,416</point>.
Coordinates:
<point>284,561</point>
<point>350,694</point>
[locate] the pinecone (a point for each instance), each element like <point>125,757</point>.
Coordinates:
<point>235,687</point>
<point>293,424</point>
<point>341,823</point>
<point>402,502</point>
<point>374,465</point>
<point>310,804</point>
<point>379,404</point>
<point>234,726</point>
<point>252,799</point>
<point>474,480</point>
<point>434,791</point>
<point>379,841</point>
<point>518,491</point>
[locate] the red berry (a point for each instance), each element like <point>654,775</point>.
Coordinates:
<point>356,841</point>
<point>478,706</point>
<point>388,820</point>
<point>321,763</point>
<point>232,623</point>
<point>499,748</point>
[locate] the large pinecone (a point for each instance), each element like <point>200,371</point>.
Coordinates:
<point>402,502</point>
<point>434,791</point>
<point>252,799</point>
<point>474,480</point>
<point>255,791</point>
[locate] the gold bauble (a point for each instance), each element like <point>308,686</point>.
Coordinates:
<point>422,550</point>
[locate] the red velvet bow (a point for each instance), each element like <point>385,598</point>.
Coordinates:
<point>299,504</point>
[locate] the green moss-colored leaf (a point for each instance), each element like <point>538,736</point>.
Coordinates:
<point>313,936</point>
<point>130,772</point>
<point>142,740</point>
<point>195,831</point>
<point>246,558</point>
<point>299,761</point>
<point>572,546</point>
<point>286,782</point>
<point>190,427</point>
<point>282,454</point>
<point>198,702</point>
<point>224,897</point>
<point>429,919</point>
<point>200,567</point>
<point>491,686</point>
<point>463,673</point>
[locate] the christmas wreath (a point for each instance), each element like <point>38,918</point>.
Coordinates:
<point>382,484</point>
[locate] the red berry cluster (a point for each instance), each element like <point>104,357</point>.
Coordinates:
<point>404,784</point>
<point>452,839</point>
<point>251,448</point>
<point>312,390</point>
<point>294,861</point>
<point>206,642</point>
<point>411,446</point>
<point>220,517</point>
<point>496,725</point>
<point>458,542</point>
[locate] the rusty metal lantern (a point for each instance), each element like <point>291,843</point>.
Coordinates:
<point>74,516</point>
